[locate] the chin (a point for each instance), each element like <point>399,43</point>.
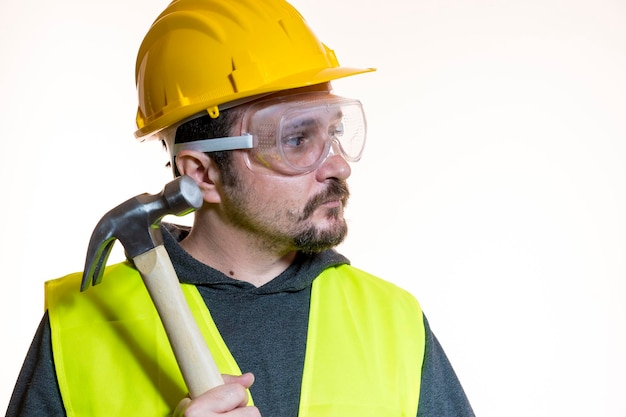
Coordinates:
<point>317,240</point>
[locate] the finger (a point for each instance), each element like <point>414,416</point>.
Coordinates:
<point>220,399</point>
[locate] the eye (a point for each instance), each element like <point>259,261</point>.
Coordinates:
<point>336,131</point>
<point>294,140</point>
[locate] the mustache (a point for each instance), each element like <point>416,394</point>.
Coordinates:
<point>337,190</point>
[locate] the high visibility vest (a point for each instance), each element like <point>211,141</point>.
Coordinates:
<point>364,353</point>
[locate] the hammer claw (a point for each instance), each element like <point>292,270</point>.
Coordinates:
<point>96,261</point>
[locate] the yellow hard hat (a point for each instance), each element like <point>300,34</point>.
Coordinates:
<point>201,54</point>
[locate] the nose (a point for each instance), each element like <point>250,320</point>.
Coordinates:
<point>334,166</point>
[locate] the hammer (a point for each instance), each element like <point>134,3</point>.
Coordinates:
<point>136,224</point>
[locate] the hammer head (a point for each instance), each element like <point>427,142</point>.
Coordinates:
<point>136,224</point>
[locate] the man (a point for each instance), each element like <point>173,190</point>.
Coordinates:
<point>240,94</point>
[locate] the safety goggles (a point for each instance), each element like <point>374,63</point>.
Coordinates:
<point>294,134</point>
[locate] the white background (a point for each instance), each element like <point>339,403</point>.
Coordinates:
<point>493,186</point>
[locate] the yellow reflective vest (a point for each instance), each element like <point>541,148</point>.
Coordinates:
<point>364,354</point>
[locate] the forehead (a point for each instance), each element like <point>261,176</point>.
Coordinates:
<point>298,109</point>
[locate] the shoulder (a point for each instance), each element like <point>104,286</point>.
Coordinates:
<point>73,281</point>
<point>119,282</point>
<point>367,285</point>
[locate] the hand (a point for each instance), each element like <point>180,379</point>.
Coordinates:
<point>229,400</point>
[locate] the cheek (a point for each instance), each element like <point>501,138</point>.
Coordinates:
<point>291,192</point>
<point>286,197</point>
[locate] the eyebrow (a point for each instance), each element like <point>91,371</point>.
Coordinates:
<point>310,121</point>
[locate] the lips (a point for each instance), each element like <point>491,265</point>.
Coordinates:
<point>332,203</point>
<point>337,191</point>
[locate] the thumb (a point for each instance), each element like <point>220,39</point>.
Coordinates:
<point>181,407</point>
<point>246,379</point>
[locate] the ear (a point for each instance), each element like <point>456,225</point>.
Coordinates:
<point>203,170</point>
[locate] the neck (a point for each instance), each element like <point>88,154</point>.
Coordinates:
<point>235,252</point>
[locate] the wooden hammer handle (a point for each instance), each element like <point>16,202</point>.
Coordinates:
<point>192,354</point>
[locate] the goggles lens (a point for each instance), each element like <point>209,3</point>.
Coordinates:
<point>295,134</point>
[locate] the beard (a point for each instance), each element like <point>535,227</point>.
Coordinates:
<point>284,230</point>
<point>312,239</point>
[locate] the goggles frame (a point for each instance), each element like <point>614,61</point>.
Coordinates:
<point>293,134</point>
